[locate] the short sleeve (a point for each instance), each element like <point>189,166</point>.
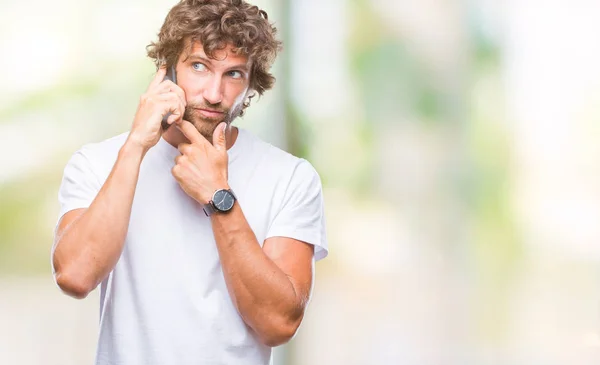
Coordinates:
<point>79,184</point>
<point>302,216</point>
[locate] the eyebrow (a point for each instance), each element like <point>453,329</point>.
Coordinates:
<point>197,57</point>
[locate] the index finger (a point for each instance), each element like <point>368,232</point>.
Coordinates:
<point>191,132</point>
<point>159,77</point>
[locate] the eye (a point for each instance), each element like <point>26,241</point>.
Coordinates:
<point>199,66</point>
<point>236,74</point>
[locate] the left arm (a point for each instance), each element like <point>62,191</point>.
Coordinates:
<point>269,286</point>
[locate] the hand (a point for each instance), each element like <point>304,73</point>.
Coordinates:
<point>202,168</point>
<point>161,98</point>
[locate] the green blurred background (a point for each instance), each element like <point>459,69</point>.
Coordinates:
<point>457,141</point>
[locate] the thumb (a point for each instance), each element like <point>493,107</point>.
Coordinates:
<point>219,141</point>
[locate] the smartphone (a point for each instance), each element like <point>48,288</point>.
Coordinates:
<point>173,77</point>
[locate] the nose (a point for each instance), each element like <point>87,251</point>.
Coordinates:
<point>213,93</point>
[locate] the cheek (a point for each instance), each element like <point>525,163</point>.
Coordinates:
<point>188,89</point>
<point>190,84</point>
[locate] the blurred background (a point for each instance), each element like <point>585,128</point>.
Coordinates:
<point>457,141</point>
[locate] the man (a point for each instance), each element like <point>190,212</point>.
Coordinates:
<point>201,236</point>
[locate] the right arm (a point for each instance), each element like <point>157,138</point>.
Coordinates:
<point>89,241</point>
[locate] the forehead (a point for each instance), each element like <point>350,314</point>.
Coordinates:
<point>224,57</point>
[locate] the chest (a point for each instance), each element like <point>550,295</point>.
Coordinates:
<point>164,216</point>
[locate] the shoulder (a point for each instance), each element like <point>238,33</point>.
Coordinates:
<point>105,148</point>
<point>99,156</point>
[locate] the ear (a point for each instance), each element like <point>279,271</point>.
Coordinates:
<point>247,99</point>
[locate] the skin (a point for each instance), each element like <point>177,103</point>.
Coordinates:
<point>270,285</point>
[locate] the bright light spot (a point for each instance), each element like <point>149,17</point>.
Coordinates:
<point>36,60</point>
<point>591,339</point>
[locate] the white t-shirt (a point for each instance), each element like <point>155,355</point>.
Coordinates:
<point>166,301</point>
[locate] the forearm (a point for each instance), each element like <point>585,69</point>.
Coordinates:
<point>263,294</point>
<point>89,248</point>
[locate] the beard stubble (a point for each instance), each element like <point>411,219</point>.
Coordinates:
<point>207,126</point>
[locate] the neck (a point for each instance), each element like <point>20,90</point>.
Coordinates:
<point>175,137</point>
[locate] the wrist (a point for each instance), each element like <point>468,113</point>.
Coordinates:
<point>221,201</point>
<point>216,187</point>
<point>139,143</point>
<point>132,147</point>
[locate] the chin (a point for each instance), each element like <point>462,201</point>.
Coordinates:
<point>206,127</point>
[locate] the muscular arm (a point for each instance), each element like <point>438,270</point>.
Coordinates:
<point>89,242</point>
<point>270,286</point>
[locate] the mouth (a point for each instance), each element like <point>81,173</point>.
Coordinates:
<point>210,113</point>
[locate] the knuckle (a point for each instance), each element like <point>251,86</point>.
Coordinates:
<point>173,85</point>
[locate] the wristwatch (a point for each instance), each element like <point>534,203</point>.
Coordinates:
<point>222,201</point>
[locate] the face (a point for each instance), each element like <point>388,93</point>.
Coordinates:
<point>215,89</point>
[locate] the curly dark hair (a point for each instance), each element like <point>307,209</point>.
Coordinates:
<point>216,24</point>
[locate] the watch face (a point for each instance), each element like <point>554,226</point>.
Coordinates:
<point>223,200</point>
